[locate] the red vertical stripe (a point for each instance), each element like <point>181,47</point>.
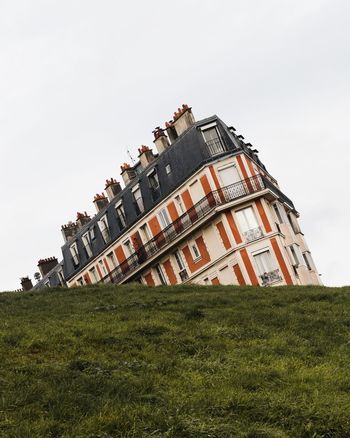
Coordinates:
<point>281,261</point>
<point>263,216</point>
<point>233,227</point>
<point>239,275</point>
<point>249,267</point>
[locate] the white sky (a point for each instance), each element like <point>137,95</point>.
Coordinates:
<point>82,81</point>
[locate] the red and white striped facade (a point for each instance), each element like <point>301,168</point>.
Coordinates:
<point>249,239</point>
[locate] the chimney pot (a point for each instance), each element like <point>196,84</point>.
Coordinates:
<point>26,283</point>
<point>145,155</point>
<point>112,188</point>
<point>127,172</point>
<point>100,201</point>
<point>45,265</point>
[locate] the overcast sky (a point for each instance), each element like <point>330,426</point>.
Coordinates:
<point>83,81</point>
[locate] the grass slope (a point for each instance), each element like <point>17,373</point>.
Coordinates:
<point>188,361</point>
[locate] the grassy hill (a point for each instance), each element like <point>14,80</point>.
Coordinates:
<point>179,361</point>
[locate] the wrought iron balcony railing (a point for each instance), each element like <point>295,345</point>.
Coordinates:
<point>253,234</point>
<point>183,223</point>
<point>215,146</point>
<point>270,277</point>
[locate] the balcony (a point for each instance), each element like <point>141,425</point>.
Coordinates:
<point>215,146</point>
<point>253,234</point>
<point>271,277</point>
<point>177,228</point>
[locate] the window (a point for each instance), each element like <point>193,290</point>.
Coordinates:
<point>206,281</point>
<point>308,261</point>
<point>87,244</point>
<point>129,248</point>
<point>61,278</point>
<point>111,260</point>
<point>119,208</point>
<point>296,254</point>
<point>146,236</point>
<point>179,204</point>
<point>154,184</point>
<point>248,224</point>
<point>92,233</point>
<point>138,200</point>
<point>103,226</point>
<point>266,267</point>
<point>80,281</point>
<point>181,265</point>
<point>195,251</point>
<point>74,252</point>
<point>168,169</point>
<point>293,223</point>
<point>160,274</point>
<point>102,268</point>
<point>179,260</point>
<point>228,175</point>
<point>164,218</point>
<point>278,214</point>
<point>213,140</point>
<point>93,275</point>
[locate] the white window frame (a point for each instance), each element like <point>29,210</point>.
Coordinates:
<point>146,235</point>
<point>160,275</point>
<point>73,248</point>
<point>104,228</point>
<point>87,244</point>
<point>140,204</point>
<point>309,261</point>
<point>92,233</point>
<point>153,174</point>
<point>194,249</point>
<point>93,274</point>
<point>129,247</point>
<point>226,166</point>
<point>102,268</point>
<point>277,212</point>
<point>179,205</point>
<point>164,218</point>
<point>249,232</point>
<point>119,208</point>
<point>111,260</point>
<point>168,169</point>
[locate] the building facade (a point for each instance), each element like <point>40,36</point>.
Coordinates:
<point>203,209</point>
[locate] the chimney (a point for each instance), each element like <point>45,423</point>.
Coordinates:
<point>146,156</point>
<point>127,172</point>
<point>45,265</point>
<point>100,202</point>
<point>82,219</point>
<point>26,283</point>
<point>160,139</point>
<point>112,188</point>
<point>171,131</point>
<point>69,231</point>
<point>183,119</point>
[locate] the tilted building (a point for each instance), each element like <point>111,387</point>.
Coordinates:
<point>204,209</point>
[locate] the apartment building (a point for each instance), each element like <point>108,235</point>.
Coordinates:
<point>202,209</point>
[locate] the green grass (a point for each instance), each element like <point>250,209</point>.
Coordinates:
<point>190,361</point>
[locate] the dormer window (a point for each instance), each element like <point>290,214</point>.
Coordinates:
<point>213,139</point>
<point>119,208</point>
<point>103,226</point>
<point>74,253</point>
<point>154,184</point>
<point>87,244</point>
<point>138,201</point>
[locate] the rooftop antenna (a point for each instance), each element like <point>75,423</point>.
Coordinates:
<point>131,157</point>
